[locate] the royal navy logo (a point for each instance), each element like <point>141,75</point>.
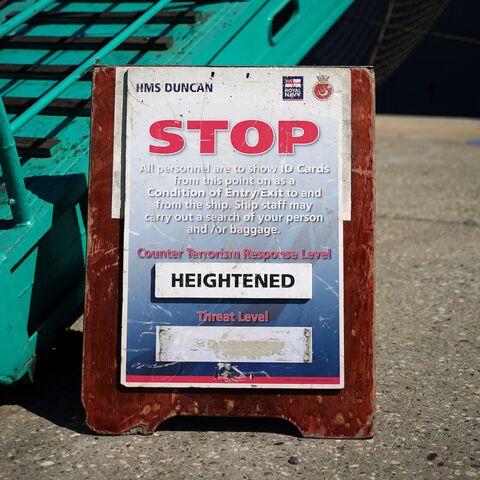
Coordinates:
<point>292,88</point>
<point>323,89</point>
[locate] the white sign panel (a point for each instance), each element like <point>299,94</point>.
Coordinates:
<point>237,183</point>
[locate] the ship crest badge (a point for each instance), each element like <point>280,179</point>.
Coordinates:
<point>323,89</point>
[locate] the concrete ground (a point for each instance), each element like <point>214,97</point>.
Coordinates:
<point>428,282</point>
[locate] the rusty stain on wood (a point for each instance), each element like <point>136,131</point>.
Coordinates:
<point>111,408</point>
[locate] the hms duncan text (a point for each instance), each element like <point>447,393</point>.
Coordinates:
<point>200,87</point>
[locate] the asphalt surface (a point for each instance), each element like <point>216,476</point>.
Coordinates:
<point>427,317</point>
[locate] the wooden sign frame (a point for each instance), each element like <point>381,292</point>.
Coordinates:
<point>113,409</point>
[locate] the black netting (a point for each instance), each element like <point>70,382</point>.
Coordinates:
<point>376,32</point>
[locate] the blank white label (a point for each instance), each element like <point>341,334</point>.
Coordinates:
<point>234,344</point>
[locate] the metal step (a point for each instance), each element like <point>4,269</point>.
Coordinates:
<point>78,107</point>
<point>98,18</point>
<point>39,72</point>
<point>35,147</point>
<point>83,43</point>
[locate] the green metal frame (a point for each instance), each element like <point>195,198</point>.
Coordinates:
<point>43,225</point>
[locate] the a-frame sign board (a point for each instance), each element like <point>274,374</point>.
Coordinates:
<point>230,255</point>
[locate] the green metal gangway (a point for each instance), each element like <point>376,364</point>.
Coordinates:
<point>47,51</point>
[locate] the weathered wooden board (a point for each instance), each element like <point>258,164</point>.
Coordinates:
<point>112,408</point>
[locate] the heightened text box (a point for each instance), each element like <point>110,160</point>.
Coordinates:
<point>233,280</point>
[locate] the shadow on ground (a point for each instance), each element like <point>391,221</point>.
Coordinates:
<point>56,396</point>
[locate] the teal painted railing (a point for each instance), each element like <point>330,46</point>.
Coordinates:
<point>10,162</point>
<point>12,172</point>
<point>22,17</point>
<point>90,62</point>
